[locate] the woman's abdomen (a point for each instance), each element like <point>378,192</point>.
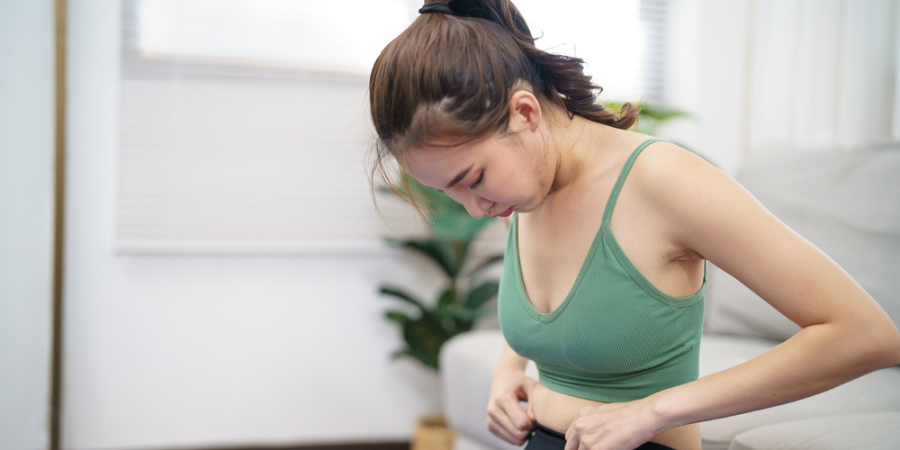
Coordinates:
<point>557,411</point>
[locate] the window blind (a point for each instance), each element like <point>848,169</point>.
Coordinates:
<point>212,153</point>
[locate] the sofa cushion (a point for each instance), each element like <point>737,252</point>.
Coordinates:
<point>877,391</point>
<point>871,431</point>
<point>846,203</point>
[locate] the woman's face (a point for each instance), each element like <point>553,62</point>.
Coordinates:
<point>494,176</point>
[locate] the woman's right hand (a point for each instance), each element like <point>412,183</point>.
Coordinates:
<point>505,417</point>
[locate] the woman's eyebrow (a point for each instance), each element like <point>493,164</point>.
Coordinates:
<point>459,177</point>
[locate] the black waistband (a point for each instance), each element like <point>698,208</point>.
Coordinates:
<point>546,439</point>
<point>546,430</point>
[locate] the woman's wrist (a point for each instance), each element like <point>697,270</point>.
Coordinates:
<point>662,411</point>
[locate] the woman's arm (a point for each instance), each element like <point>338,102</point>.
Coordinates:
<point>509,385</point>
<point>844,335</point>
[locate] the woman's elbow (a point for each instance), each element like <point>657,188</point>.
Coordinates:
<point>893,353</point>
<point>883,349</point>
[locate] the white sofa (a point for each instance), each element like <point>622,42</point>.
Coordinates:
<point>848,204</point>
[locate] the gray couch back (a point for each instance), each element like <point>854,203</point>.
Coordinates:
<point>846,203</point>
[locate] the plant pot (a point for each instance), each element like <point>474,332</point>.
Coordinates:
<point>432,433</point>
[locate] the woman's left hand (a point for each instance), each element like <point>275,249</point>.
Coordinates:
<point>612,426</point>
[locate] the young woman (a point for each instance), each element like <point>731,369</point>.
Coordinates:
<point>610,231</point>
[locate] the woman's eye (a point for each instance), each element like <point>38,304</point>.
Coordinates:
<point>478,181</point>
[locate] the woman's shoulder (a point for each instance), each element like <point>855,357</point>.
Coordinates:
<point>662,164</point>
<point>676,182</point>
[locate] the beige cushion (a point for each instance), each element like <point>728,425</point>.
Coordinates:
<point>870,431</point>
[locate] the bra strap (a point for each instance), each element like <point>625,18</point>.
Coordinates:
<point>614,195</point>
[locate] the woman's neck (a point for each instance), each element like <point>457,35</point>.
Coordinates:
<point>578,144</point>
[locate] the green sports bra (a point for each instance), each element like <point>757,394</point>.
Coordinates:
<point>615,337</point>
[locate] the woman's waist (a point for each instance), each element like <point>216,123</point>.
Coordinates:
<point>556,411</point>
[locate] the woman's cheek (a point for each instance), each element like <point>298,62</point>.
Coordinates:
<point>452,196</point>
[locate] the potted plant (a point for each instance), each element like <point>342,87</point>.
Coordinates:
<point>464,298</point>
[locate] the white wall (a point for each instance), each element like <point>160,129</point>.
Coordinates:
<point>189,350</point>
<point>26,232</point>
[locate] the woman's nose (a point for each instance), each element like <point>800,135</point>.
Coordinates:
<point>476,205</point>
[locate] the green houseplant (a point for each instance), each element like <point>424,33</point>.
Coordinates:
<point>464,298</point>
<point>651,117</point>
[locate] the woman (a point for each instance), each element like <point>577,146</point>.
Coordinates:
<point>610,232</point>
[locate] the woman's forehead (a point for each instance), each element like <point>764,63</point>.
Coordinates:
<point>436,166</point>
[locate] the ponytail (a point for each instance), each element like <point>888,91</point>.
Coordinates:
<point>559,78</point>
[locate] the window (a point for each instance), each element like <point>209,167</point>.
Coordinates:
<point>244,125</point>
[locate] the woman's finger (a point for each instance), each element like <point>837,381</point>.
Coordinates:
<point>517,416</point>
<point>573,442</point>
<point>507,415</point>
<point>505,434</point>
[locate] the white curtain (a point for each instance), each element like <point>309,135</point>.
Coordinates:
<point>823,73</point>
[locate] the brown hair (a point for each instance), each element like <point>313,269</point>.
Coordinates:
<point>450,76</point>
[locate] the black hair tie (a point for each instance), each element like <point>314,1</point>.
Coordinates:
<point>439,7</point>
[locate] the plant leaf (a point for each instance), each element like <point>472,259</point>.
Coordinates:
<point>400,294</point>
<point>446,299</point>
<point>453,222</point>
<point>487,263</point>
<point>481,294</point>
<point>661,113</point>
<point>424,340</point>
<point>397,316</point>
<point>424,358</point>
<point>448,219</point>
<point>437,251</point>
<point>462,314</point>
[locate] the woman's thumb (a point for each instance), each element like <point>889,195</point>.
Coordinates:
<point>530,410</point>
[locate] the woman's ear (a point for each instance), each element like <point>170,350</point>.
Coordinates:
<point>524,111</point>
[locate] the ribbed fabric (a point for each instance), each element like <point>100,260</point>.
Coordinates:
<point>615,337</point>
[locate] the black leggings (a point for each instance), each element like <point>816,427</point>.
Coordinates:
<point>543,438</point>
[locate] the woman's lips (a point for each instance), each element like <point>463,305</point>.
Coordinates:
<point>506,213</point>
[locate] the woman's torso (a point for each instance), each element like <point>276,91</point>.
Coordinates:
<point>552,246</point>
